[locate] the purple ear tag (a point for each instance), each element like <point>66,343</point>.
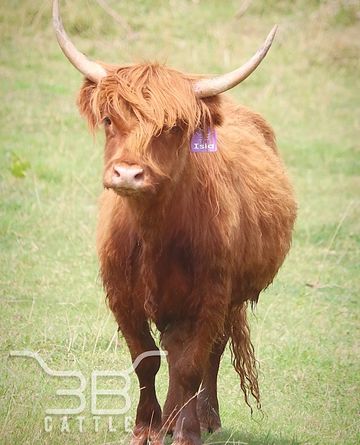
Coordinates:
<point>202,142</point>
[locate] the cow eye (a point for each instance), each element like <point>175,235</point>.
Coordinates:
<point>107,121</point>
<point>175,129</point>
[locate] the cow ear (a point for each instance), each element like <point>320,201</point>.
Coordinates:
<point>214,113</point>
<point>85,103</point>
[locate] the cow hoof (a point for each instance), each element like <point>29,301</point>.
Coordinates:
<point>211,426</point>
<point>209,420</point>
<point>187,439</point>
<point>146,436</point>
<point>169,418</point>
<point>168,427</point>
<point>145,440</point>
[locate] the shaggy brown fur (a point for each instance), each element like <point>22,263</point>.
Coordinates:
<point>207,235</point>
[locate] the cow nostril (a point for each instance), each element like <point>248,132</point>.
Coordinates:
<point>139,175</point>
<point>116,172</point>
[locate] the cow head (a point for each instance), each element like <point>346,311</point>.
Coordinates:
<point>149,113</point>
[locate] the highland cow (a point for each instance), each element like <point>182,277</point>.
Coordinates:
<point>195,220</point>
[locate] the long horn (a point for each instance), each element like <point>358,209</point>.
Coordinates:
<point>91,70</point>
<point>219,84</point>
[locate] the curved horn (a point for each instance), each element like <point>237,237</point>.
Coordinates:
<point>219,84</point>
<point>91,70</point>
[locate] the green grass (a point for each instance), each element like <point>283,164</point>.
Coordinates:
<point>306,329</point>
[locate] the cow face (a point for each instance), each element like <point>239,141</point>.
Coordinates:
<point>149,113</point>
<point>139,159</point>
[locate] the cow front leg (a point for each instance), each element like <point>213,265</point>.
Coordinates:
<point>188,346</point>
<point>173,400</point>
<point>148,415</point>
<point>186,370</point>
<point>207,401</point>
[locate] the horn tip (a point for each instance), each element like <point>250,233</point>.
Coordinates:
<point>270,38</point>
<point>274,30</point>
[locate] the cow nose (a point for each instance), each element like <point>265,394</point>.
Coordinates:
<point>130,176</point>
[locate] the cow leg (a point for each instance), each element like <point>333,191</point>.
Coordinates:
<point>173,400</point>
<point>207,401</point>
<point>188,352</point>
<point>148,415</point>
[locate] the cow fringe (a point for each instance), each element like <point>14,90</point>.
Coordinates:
<point>243,354</point>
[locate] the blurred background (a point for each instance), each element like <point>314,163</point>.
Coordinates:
<point>306,326</point>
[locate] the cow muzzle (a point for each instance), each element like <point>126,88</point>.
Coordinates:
<point>125,178</point>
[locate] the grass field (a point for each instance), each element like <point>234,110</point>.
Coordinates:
<point>306,326</point>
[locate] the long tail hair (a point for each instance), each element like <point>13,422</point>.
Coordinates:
<point>243,354</point>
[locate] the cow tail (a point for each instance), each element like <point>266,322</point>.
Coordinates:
<point>243,354</point>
